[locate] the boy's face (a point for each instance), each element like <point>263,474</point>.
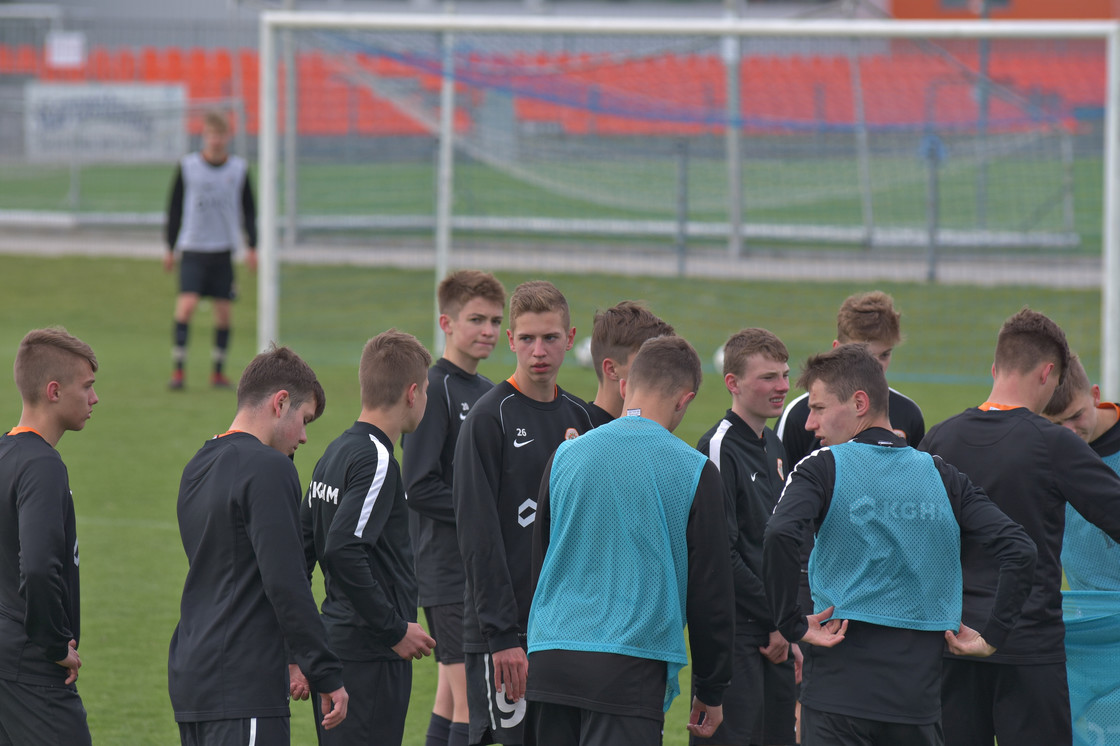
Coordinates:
<point>419,404</point>
<point>290,428</point>
<point>215,143</point>
<point>540,340</point>
<point>763,387</point>
<point>830,419</point>
<point>881,351</point>
<point>77,396</point>
<point>1080,416</point>
<point>474,330</point>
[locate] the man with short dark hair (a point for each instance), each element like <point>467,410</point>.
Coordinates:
<point>355,524</point>
<point>616,336</point>
<point>629,543</point>
<point>40,606</point>
<point>885,570</point>
<point>1031,468</point>
<point>751,461</point>
<point>246,602</point>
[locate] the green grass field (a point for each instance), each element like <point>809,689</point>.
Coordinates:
<point>125,466</point>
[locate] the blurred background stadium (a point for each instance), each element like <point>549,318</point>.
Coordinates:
<point>727,184</point>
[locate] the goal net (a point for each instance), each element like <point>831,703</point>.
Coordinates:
<point>814,151</point>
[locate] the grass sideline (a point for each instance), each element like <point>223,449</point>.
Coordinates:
<point>125,467</point>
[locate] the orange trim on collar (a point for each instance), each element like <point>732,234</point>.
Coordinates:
<point>25,429</point>
<point>1110,405</point>
<point>990,405</point>
<point>511,382</point>
<point>228,432</point>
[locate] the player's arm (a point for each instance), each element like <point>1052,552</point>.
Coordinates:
<point>429,493</point>
<point>800,510</point>
<point>174,218</point>
<point>542,524</point>
<point>983,522</point>
<point>249,212</point>
<point>364,506</point>
<point>270,507</point>
<point>478,467</point>
<point>41,503</point>
<point>1085,481</point>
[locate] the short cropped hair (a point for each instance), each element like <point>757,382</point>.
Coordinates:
<point>216,121</point>
<point>46,355</point>
<point>391,362</point>
<point>1074,384</point>
<point>846,369</point>
<point>868,317</point>
<point>752,341</point>
<point>460,288</point>
<point>619,332</point>
<point>275,369</point>
<point>538,296</point>
<point>1027,339</point>
<point>666,366</point>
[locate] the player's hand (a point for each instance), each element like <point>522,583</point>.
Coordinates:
<point>777,650</point>
<point>798,663</point>
<point>511,670</point>
<point>297,683</point>
<point>823,631</point>
<point>168,261</point>
<point>704,719</point>
<point>334,707</point>
<point>72,662</point>
<point>251,260</point>
<point>415,644</point>
<point>968,642</point>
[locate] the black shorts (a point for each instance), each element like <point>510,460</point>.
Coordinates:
<point>445,625</point>
<point>1021,705</point>
<point>843,730</point>
<point>41,714</point>
<point>758,707</point>
<point>240,732</point>
<point>494,719</point>
<point>207,273</point>
<point>549,724</point>
<point>379,692</point>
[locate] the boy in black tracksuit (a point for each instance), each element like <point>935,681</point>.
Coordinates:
<point>889,523</point>
<point>759,704</point>
<point>355,524</point>
<point>503,446</point>
<point>40,604</point>
<point>247,605</point>
<point>1030,468</point>
<point>471,306</point>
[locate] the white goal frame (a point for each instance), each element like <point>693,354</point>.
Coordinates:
<point>272,22</point>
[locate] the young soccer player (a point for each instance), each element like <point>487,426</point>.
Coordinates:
<point>211,200</point>
<point>471,306</point>
<point>1090,559</point>
<point>886,566</point>
<point>355,524</point>
<point>246,602</point>
<point>750,458</point>
<point>40,608</point>
<point>503,446</point>
<point>616,335</point>
<point>869,318</point>
<point>1030,468</point>
<point>629,542</point>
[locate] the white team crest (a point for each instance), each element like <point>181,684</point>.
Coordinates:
<point>571,434</point>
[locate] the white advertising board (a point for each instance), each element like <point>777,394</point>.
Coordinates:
<point>68,122</point>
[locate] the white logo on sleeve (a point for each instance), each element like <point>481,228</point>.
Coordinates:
<point>75,552</point>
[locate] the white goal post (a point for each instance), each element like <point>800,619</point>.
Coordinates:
<point>274,22</point>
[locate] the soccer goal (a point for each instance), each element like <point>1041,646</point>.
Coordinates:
<point>979,152</point>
